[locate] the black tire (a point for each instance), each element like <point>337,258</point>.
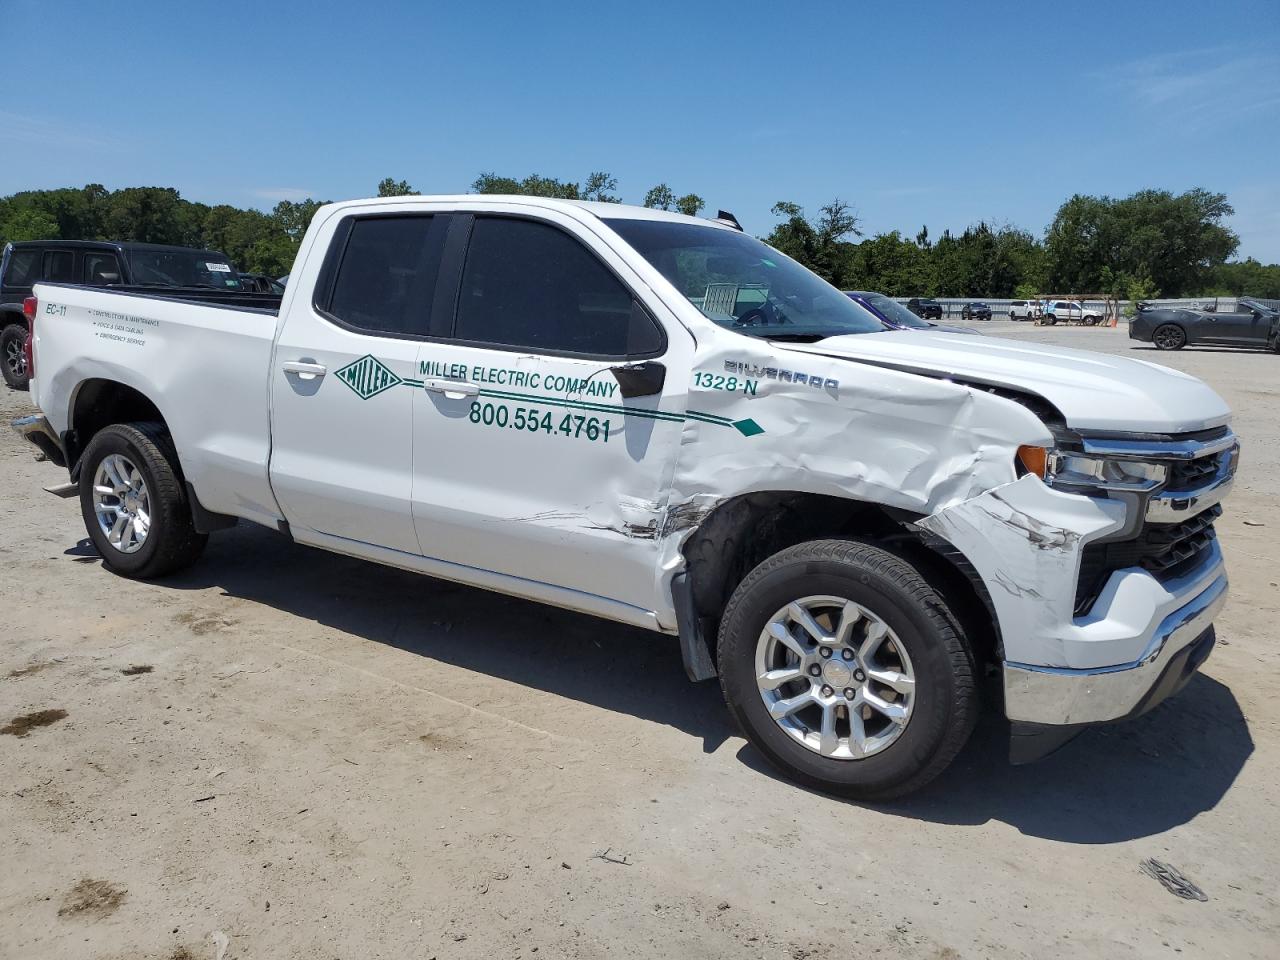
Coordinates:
<point>171,542</point>
<point>1169,336</point>
<point>1050,320</point>
<point>944,708</point>
<point>13,365</point>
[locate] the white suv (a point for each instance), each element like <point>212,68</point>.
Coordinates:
<point>1070,311</point>
<point>1024,309</point>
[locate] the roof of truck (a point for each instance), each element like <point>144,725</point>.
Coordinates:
<point>109,245</point>
<point>603,211</point>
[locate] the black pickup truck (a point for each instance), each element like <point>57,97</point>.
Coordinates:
<point>926,308</point>
<point>127,266</point>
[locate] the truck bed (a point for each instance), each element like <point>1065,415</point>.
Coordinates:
<point>207,296</point>
<point>204,356</point>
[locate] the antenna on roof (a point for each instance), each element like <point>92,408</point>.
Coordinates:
<point>728,219</point>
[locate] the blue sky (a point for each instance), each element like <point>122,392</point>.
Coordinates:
<point>916,113</point>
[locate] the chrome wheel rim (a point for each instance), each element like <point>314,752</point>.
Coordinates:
<point>835,677</point>
<point>14,359</point>
<point>122,503</point>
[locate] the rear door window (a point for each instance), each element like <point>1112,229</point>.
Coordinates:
<point>59,266</point>
<point>101,269</point>
<point>386,277</point>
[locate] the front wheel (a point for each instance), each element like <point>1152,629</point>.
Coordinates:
<point>13,358</point>
<point>134,504</point>
<point>1169,336</point>
<point>846,670</point>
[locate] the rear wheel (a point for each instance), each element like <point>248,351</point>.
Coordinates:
<point>846,670</point>
<point>1169,336</point>
<point>134,504</point>
<point>13,359</point>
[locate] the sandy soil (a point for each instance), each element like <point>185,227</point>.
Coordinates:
<point>284,753</point>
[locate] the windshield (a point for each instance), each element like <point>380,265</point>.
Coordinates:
<point>895,311</point>
<point>744,284</point>
<point>183,268</point>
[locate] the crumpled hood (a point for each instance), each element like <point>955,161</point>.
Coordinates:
<point>1094,391</point>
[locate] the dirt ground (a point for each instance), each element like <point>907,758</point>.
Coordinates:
<point>284,753</point>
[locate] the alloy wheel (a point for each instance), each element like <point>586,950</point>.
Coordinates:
<point>15,359</point>
<point>835,677</point>
<point>122,503</point>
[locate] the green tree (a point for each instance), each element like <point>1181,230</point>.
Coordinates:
<point>599,187</point>
<point>29,224</point>
<point>1177,242</point>
<point>395,188</point>
<point>690,204</point>
<point>819,245</point>
<point>533,185</point>
<point>889,263</point>
<point>660,197</point>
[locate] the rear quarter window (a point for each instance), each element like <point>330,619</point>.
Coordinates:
<point>23,268</point>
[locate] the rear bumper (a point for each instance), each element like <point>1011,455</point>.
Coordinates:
<point>40,432</point>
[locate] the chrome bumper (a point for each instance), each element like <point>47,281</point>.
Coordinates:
<point>38,431</point>
<point>1064,696</point>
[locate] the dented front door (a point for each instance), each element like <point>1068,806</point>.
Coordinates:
<point>528,460</point>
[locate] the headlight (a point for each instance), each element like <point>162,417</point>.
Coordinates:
<point>1081,470</point>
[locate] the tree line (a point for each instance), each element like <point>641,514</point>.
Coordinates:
<point>1153,243</point>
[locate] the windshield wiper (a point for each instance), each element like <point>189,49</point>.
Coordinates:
<point>798,337</point>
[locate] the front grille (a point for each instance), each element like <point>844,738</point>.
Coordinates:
<point>1193,474</point>
<point>1163,549</point>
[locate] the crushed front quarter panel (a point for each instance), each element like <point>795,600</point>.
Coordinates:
<point>764,418</point>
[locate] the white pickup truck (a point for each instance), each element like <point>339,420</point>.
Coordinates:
<point>662,421</point>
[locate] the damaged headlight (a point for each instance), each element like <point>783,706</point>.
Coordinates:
<point>1059,468</point>
<point>1080,470</point>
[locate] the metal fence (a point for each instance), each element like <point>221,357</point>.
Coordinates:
<point>952,306</point>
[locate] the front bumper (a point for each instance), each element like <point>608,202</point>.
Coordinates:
<point>40,432</point>
<point>1068,697</point>
<point>1079,647</point>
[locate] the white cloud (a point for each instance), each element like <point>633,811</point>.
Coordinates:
<point>21,129</point>
<point>1201,88</point>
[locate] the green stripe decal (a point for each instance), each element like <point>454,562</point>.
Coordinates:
<point>748,427</point>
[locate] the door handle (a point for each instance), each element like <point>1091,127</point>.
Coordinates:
<point>303,369</point>
<point>453,389</point>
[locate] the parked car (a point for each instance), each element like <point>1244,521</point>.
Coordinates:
<point>1025,309</point>
<point>975,311</point>
<point>661,421</point>
<point>98,263</point>
<point>261,283</point>
<point>897,317</point>
<point>925,307</point>
<point>1251,324</point>
<point>1069,311</point>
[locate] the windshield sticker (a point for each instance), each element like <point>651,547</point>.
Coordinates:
<point>219,267</point>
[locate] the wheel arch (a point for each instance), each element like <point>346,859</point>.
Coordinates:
<point>99,402</point>
<point>744,531</point>
<point>9,315</point>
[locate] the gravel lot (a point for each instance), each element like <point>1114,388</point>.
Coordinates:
<point>283,753</point>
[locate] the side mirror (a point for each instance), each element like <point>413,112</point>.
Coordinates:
<point>640,379</point>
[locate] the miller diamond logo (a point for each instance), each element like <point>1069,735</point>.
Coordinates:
<point>368,377</point>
